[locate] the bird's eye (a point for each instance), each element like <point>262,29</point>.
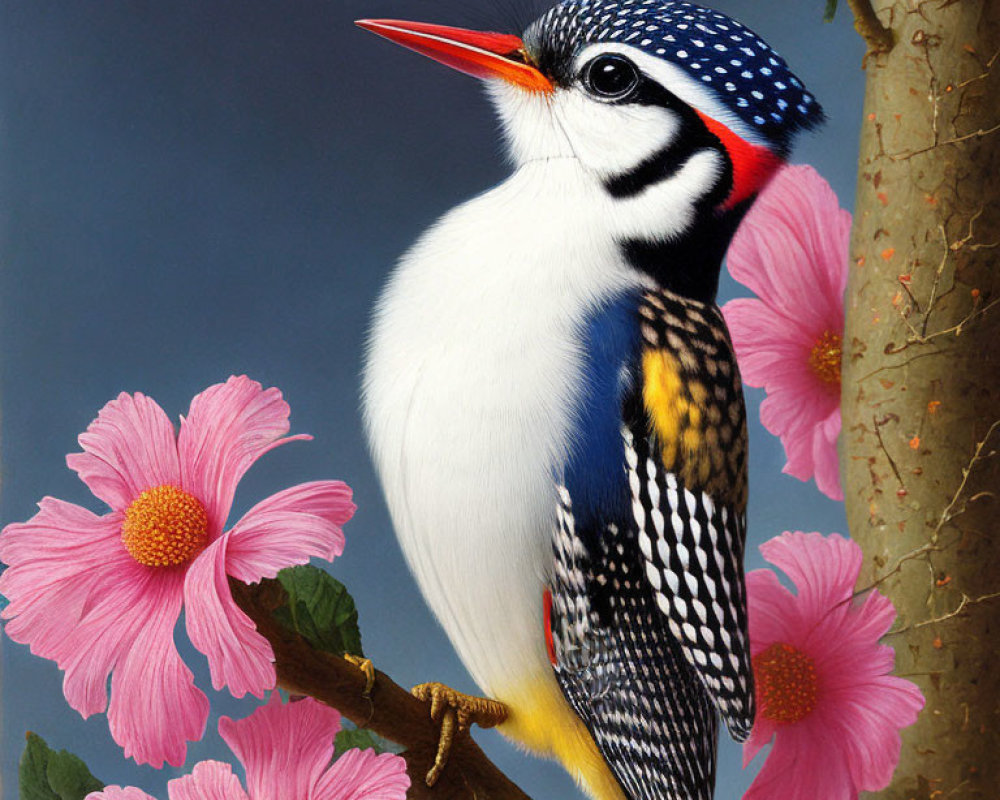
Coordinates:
<point>611,77</point>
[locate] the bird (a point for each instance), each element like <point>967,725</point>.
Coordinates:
<point>552,400</point>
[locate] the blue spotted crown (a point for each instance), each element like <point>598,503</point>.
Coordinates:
<point>744,72</point>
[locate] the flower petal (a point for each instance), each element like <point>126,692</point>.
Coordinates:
<point>130,447</point>
<point>760,736</point>
<point>768,605</point>
<point>803,764</point>
<point>230,425</point>
<point>209,780</point>
<point>826,459</point>
<point>792,249</point>
<point>155,708</point>
<point>284,747</point>
<point>771,350</point>
<point>238,656</point>
<point>289,528</point>
<point>824,569</point>
<point>75,595</point>
<point>119,793</point>
<point>364,775</point>
<point>798,414</point>
<point>866,720</point>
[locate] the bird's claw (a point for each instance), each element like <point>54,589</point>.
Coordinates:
<point>455,712</point>
<point>365,665</point>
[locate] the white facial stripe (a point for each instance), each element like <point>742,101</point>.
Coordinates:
<point>677,81</point>
<point>664,209</point>
<point>613,139</point>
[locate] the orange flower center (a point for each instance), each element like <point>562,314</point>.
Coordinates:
<point>824,359</point>
<point>164,527</point>
<point>786,683</point>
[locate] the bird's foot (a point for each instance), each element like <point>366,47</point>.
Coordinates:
<point>455,712</point>
<point>365,665</point>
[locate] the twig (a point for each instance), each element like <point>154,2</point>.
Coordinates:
<point>946,515</point>
<point>924,549</point>
<point>937,281</point>
<point>917,338</point>
<point>881,442</point>
<point>391,711</point>
<point>984,74</point>
<point>878,37</point>
<point>965,603</point>
<point>957,140</point>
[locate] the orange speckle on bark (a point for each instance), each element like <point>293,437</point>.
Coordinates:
<point>897,299</point>
<point>860,261</point>
<point>943,581</point>
<point>930,199</point>
<point>933,406</point>
<point>871,116</point>
<point>968,48</point>
<point>888,253</point>
<point>897,117</point>
<point>975,294</point>
<point>938,644</point>
<point>906,277</point>
<point>901,492</point>
<point>883,198</point>
<point>949,88</point>
<point>915,443</point>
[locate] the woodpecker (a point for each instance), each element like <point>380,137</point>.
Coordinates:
<point>551,396</point>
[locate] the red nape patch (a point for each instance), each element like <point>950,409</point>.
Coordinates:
<point>547,621</point>
<point>752,164</point>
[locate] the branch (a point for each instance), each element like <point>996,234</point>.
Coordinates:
<point>878,37</point>
<point>390,711</point>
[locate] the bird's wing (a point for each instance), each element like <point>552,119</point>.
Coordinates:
<point>685,451</point>
<point>647,606</point>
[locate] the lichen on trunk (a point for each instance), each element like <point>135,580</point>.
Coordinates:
<point>921,379</point>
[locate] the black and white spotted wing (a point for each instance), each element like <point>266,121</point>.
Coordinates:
<point>622,671</point>
<point>692,558</point>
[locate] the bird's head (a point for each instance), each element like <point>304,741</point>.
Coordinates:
<point>632,89</point>
<point>619,83</point>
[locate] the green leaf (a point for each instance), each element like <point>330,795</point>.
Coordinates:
<point>47,774</point>
<point>320,609</point>
<point>358,737</point>
<point>831,11</point>
<point>70,778</point>
<point>351,737</point>
<point>32,778</point>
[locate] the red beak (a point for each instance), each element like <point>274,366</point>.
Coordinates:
<point>484,55</point>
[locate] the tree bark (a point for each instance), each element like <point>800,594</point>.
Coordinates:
<point>921,379</point>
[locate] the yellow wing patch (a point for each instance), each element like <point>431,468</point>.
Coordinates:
<point>691,428</point>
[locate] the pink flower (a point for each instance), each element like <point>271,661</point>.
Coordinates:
<point>824,692</point>
<point>101,595</point>
<point>791,250</point>
<point>286,751</point>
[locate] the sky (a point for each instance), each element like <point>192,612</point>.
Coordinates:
<point>195,189</point>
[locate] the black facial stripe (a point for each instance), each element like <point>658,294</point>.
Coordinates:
<point>665,163</point>
<point>690,264</point>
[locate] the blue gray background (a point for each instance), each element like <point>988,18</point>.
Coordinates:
<point>195,189</point>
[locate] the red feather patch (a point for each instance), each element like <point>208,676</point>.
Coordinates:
<point>753,165</point>
<point>550,645</point>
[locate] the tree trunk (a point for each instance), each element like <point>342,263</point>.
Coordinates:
<point>921,377</point>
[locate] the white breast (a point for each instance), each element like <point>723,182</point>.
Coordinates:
<point>469,390</point>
